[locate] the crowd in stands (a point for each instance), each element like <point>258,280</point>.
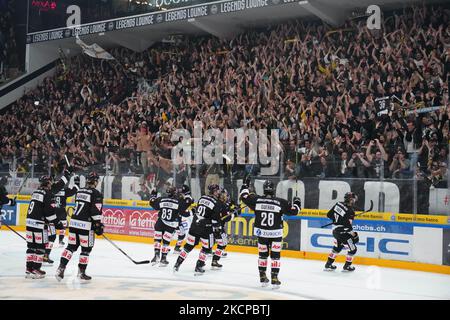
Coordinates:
<point>9,57</point>
<point>317,85</point>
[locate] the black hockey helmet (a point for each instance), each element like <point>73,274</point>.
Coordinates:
<point>350,196</point>
<point>45,181</point>
<point>171,190</point>
<point>268,188</point>
<point>185,189</point>
<point>212,188</point>
<point>4,179</point>
<point>224,195</point>
<point>92,177</point>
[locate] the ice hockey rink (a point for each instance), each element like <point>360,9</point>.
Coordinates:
<point>116,277</point>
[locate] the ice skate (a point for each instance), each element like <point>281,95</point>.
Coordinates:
<point>47,261</point>
<point>155,260</point>
<point>38,274</point>
<point>199,269</point>
<point>215,265</point>
<point>329,267</point>
<point>275,282</point>
<point>348,267</point>
<point>60,273</point>
<point>163,262</point>
<point>29,274</point>
<point>263,279</point>
<point>83,276</point>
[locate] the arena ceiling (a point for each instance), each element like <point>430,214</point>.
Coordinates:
<point>226,25</point>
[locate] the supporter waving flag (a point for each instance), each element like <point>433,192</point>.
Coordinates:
<point>94,50</point>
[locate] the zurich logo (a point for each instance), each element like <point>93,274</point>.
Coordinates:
<point>67,33</point>
<point>214,9</point>
<point>393,217</point>
<point>110,26</point>
<point>258,232</point>
<point>159,18</point>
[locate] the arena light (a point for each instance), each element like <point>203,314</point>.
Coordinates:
<point>36,103</point>
<point>303,2</point>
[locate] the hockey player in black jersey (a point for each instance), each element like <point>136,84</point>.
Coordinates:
<point>61,203</point>
<point>205,223</point>
<point>220,236</point>
<point>85,221</point>
<point>268,227</point>
<point>60,200</point>
<point>169,210</point>
<point>185,218</point>
<point>342,215</point>
<point>41,210</point>
<point>4,200</point>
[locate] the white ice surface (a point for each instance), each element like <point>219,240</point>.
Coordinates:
<point>116,277</point>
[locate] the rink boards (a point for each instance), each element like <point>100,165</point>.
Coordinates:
<point>420,242</point>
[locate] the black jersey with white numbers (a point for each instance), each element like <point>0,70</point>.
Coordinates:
<point>169,209</point>
<point>62,195</point>
<point>207,212</point>
<point>88,208</point>
<point>42,204</point>
<point>269,213</point>
<point>342,216</point>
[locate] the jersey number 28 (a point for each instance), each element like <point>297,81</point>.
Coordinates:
<point>267,219</point>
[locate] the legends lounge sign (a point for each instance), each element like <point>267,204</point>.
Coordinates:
<point>188,12</point>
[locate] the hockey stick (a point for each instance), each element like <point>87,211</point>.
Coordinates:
<point>18,191</point>
<point>23,184</point>
<point>368,210</point>
<point>6,225</point>
<point>135,262</point>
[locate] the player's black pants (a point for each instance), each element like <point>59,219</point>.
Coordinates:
<point>49,237</point>
<point>35,235</point>
<point>62,216</point>
<point>195,236</point>
<point>269,247</point>
<point>163,235</point>
<point>78,238</point>
<point>341,239</point>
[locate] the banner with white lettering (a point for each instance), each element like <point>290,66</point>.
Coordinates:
<point>382,105</point>
<point>171,15</point>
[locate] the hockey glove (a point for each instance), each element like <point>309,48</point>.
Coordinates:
<point>12,202</point>
<point>76,181</point>
<point>67,173</point>
<point>98,228</point>
<point>355,237</point>
<point>297,202</point>
<point>217,232</point>
<point>59,225</point>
